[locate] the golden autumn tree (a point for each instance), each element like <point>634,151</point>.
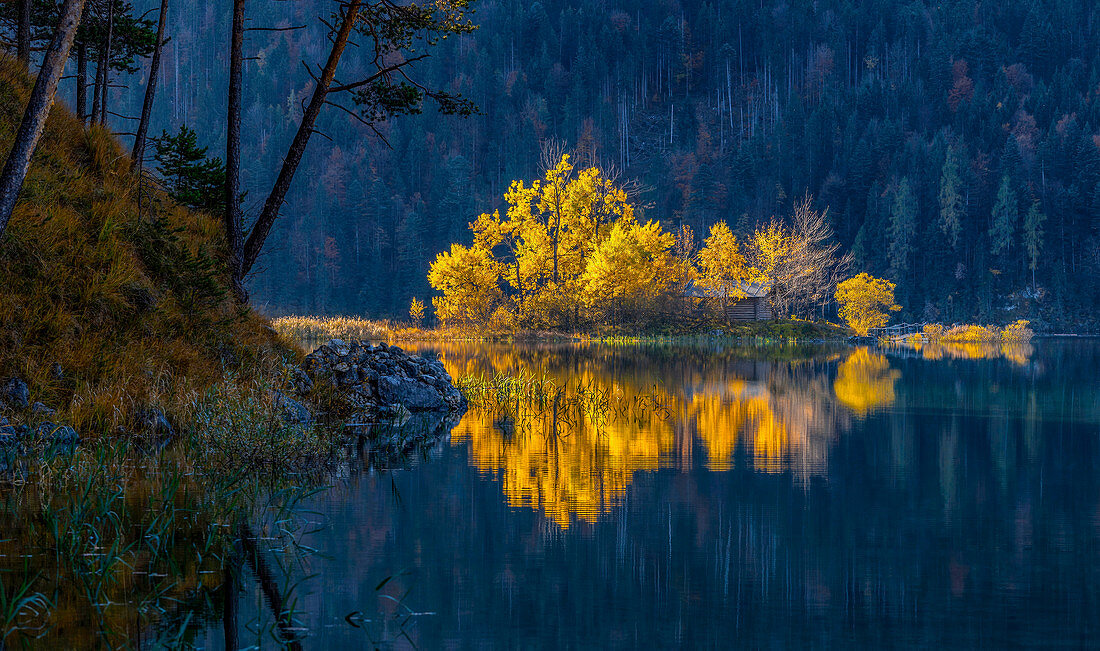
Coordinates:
<point>630,269</point>
<point>543,240</point>
<point>470,281</point>
<point>866,302</point>
<point>722,267</point>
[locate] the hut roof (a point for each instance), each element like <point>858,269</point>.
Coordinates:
<point>751,290</point>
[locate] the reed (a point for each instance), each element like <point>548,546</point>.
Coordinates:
<point>318,328</point>
<point>121,535</point>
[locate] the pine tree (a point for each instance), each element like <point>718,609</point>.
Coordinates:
<point>1005,215</point>
<point>903,227</point>
<point>1033,238</point>
<point>191,178</point>
<point>950,199</point>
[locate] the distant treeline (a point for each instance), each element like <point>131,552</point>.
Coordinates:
<point>955,143</point>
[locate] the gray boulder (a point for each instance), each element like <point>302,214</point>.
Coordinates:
<point>57,434</point>
<point>369,381</point>
<point>412,393</point>
<point>154,421</point>
<point>15,394</point>
<point>292,411</point>
<point>40,409</point>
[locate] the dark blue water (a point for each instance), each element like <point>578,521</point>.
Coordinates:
<point>789,496</point>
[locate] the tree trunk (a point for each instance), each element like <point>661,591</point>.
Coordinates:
<point>102,63</point>
<point>107,63</point>
<point>233,235</point>
<point>38,109</point>
<point>138,155</point>
<point>298,147</point>
<point>82,81</point>
<point>23,32</point>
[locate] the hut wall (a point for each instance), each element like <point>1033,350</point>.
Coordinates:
<point>749,309</point>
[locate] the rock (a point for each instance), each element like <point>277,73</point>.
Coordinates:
<point>292,411</point>
<point>40,409</point>
<point>377,384</point>
<point>301,381</point>
<point>15,394</point>
<point>57,373</point>
<point>413,394</point>
<point>57,434</point>
<point>154,421</point>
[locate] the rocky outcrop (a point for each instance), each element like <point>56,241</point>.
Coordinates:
<point>14,394</point>
<point>363,383</point>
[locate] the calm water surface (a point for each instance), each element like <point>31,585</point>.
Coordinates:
<point>735,496</point>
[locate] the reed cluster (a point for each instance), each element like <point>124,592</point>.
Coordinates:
<point>107,542</point>
<point>325,328</point>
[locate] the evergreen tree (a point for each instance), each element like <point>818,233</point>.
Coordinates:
<point>903,228</point>
<point>950,199</point>
<point>192,179</point>
<point>1005,215</point>
<point>1033,238</point>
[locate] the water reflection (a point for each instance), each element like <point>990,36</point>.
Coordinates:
<point>1015,351</point>
<point>865,381</point>
<point>720,407</point>
<point>807,497</point>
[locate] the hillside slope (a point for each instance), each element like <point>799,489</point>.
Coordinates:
<point>112,298</point>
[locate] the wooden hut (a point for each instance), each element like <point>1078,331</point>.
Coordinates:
<point>753,307</point>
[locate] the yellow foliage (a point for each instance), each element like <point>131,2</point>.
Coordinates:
<point>865,302</point>
<point>416,312</point>
<point>468,278</point>
<point>933,332</point>
<point>972,334</point>
<point>542,249</point>
<point>722,267</point>
<point>1018,331</point>
<point>630,268</point>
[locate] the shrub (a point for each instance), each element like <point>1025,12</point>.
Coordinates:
<point>972,333</point>
<point>1018,331</point>
<point>933,332</point>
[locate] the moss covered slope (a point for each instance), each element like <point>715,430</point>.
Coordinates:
<point>112,284</point>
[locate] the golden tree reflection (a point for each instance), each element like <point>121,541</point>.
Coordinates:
<point>865,381</point>
<point>1017,352</point>
<point>575,465</point>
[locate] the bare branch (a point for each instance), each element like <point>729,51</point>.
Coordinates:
<point>381,73</point>
<point>274,29</point>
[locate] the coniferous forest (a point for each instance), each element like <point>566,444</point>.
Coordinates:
<point>956,145</point>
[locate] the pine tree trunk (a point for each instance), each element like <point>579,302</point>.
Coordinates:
<point>107,63</point>
<point>23,32</point>
<point>38,109</point>
<point>98,99</point>
<point>298,146</point>
<point>82,81</point>
<point>138,155</point>
<point>234,237</point>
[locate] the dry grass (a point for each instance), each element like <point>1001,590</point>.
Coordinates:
<point>131,303</point>
<point>325,328</point>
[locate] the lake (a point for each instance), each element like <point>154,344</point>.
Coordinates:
<point>715,495</point>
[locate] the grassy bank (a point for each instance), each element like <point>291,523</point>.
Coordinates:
<point>113,298</point>
<point>113,301</point>
<point>321,329</point>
